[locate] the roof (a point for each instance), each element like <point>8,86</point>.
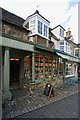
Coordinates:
<point>70,41</point>
<point>52,35</point>
<point>78,45</point>
<point>58,26</point>
<point>37,12</point>
<point>12,18</point>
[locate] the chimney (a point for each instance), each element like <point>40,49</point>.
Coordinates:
<point>68,33</point>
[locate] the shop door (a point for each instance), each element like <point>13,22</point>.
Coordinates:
<point>14,72</point>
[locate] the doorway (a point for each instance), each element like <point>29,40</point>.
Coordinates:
<point>14,72</point>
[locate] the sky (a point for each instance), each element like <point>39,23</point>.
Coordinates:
<point>62,12</point>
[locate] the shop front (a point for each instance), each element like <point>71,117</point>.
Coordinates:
<point>48,65</point>
<point>13,53</point>
<point>45,67</point>
<point>71,65</point>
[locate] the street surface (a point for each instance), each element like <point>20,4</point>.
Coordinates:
<point>64,108</point>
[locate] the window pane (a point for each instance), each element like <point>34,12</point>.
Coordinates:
<point>45,30</point>
<point>39,27</point>
<point>62,43</point>
<point>62,48</point>
<point>61,32</point>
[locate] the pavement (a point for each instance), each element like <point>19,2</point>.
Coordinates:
<point>0,103</point>
<point>23,102</point>
<point>64,108</point>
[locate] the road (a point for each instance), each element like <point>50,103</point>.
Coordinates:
<point>65,108</point>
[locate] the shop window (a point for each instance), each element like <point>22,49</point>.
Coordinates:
<point>69,69</point>
<point>60,66</point>
<point>28,68</point>
<point>45,66</point>
<point>38,67</point>
<point>48,67</point>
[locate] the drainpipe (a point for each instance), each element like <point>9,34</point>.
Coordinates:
<point>33,67</point>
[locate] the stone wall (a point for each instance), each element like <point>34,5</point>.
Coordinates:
<point>14,31</point>
<point>40,40</point>
<point>56,83</point>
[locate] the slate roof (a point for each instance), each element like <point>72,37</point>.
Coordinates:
<point>58,26</point>
<point>78,45</point>
<point>37,12</point>
<point>52,35</point>
<point>12,18</point>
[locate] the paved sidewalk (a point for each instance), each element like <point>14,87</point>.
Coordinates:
<point>26,103</point>
<point>64,108</point>
<point>0,104</point>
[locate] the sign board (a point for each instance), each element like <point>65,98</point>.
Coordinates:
<point>48,91</point>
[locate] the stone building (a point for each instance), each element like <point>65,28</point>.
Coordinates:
<point>67,46</point>
<point>30,52</point>
<point>77,53</point>
<point>15,45</point>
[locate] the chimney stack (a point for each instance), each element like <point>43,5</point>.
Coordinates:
<point>68,33</point>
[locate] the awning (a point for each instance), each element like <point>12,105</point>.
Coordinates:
<point>43,48</point>
<point>68,58</point>
<point>59,53</point>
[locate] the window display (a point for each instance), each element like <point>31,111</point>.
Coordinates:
<point>45,67</point>
<point>38,67</point>
<point>48,67</point>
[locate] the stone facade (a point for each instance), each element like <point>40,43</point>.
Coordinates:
<point>42,41</point>
<point>14,31</point>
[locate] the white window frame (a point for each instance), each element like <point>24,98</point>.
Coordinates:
<point>45,30</point>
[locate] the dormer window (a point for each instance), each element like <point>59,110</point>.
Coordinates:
<point>58,31</point>
<point>39,27</point>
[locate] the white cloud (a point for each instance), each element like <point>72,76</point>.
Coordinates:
<point>73,22</point>
<point>53,10</point>
<point>72,3</point>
